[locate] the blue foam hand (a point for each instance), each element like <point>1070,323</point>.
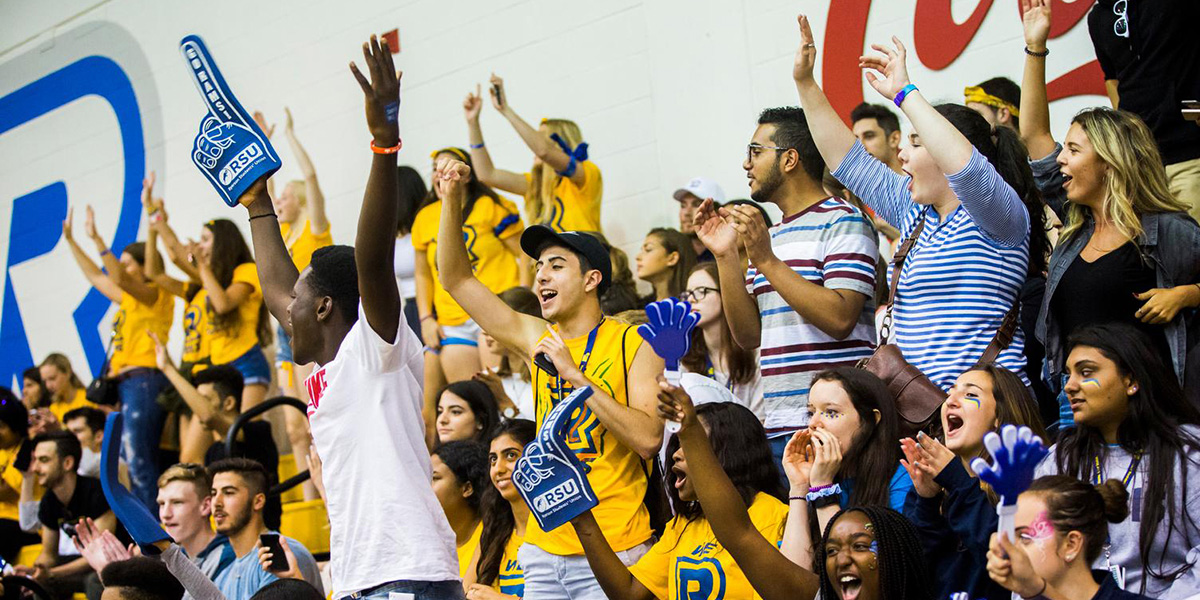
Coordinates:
<point>1016,454</point>
<point>548,475</point>
<point>669,330</point>
<point>142,526</point>
<point>230,149</point>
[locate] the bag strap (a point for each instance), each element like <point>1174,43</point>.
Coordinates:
<point>897,266</point>
<point>107,355</point>
<point>1004,335</point>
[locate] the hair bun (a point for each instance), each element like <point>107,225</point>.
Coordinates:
<point>1116,500</point>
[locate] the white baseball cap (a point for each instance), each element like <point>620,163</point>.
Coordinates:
<point>702,188</point>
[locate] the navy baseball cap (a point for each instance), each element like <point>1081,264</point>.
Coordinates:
<point>538,237</point>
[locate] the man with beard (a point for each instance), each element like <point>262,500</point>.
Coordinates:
<point>239,493</point>
<point>801,304</point>
<point>185,509</point>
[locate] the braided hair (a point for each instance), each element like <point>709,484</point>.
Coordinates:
<point>903,572</point>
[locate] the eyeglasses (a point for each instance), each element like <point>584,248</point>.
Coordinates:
<point>1121,25</point>
<point>697,294</point>
<point>752,149</point>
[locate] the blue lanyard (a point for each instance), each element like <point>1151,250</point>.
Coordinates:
<point>587,354</point>
<point>711,373</point>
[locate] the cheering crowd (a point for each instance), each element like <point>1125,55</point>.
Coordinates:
<point>923,289</point>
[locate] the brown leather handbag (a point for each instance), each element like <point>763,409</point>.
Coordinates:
<point>918,399</point>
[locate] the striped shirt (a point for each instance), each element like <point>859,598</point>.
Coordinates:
<point>963,274</point>
<point>831,244</point>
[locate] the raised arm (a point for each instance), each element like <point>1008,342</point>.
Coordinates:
<point>201,407</point>
<point>741,310</point>
<point>484,169</point>
<point>277,273</point>
<point>142,291</point>
<point>374,248</point>
<point>1035,108</point>
<point>773,576</point>
<point>176,250</point>
<point>613,575</point>
<point>312,190</point>
<point>830,134</point>
<point>94,275</point>
<point>542,146</point>
<point>513,329</point>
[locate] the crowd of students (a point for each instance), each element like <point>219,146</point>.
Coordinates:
<point>415,353</point>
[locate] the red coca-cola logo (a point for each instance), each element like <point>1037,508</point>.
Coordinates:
<point>939,42</point>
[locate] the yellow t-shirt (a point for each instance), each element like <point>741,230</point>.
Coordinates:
<point>195,329</point>
<point>12,478</point>
<point>240,333</point>
<point>490,223</point>
<point>131,346</point>
<point>79,401</point>
<point>616,473</point>
<point>689,562</point>
<point>511,579</point>
<point>576,207</point>
<point>302,247</point>
<point>467,551</point>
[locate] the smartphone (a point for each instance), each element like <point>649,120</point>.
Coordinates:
<point>1191,110</point>
<point>68,528</point>
<point>498,94</point>
<point>544,363</point>
<point>274,545</point>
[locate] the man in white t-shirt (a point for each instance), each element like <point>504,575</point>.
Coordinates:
<point>389,536</point>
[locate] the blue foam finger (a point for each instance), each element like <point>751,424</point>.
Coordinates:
<point>230,149</point>
<point>142,526</point>
<point>548,475</point>
<point>671,323</point>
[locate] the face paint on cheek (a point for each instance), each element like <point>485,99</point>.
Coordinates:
<point>1091,382</point>
<point>1041,533</point>
<point>968,401</point>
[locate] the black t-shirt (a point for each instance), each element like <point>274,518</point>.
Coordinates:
<point>87,501</point>
<point>1156,67</point>
<point>1102,292</point>
<point>256,444</point>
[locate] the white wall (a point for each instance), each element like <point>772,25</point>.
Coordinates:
<point>664,90</point>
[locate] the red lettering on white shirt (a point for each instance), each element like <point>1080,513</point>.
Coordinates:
<point>316,388</point>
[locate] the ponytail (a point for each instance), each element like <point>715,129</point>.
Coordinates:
<point>1073,505</point>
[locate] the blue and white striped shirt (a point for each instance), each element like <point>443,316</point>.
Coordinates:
<point>963,274</point>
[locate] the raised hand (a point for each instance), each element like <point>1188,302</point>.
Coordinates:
<point>827,459</point>
<point>450,177</point>
<point>1035,16</point>
<point>89,224</point>
<point>674,404</point>
<point>293,566</point>
<point>473,104</point>
<point>499,98</point>
<point>887,72</point>
<point>288,125</point>
<point>752,232</point>
<point>148,193</point>
<point>806,54</point>
<point>381,94</point>
<point>714,232</point>
<point>99,547</point>
<point>161,357</point>
<point>68,225</point>
<point>919,470</point>
<point>1009,566</point>
<point>798,461</point>
<point>262,123</point>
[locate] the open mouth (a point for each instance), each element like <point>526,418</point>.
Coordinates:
<point>547,295</point>
<point>680,477</point>
<point>851,586</point>
<point>1066,179</point>
<point>953,424</point>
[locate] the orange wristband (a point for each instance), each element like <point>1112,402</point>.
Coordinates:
<point>392,150</point>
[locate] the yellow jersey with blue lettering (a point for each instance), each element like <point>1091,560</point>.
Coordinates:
<point>511,579</point>
<point>195,329</point>
<point>306,243</point>
<point>615,471</point>
<point>576,207</point>
<point>467,551</point>
<point>492,220</point>
<point>239,333</point>
<point>689,562</point>
<point>131,346</point>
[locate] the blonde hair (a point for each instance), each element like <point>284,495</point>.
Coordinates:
<point>190,473</point>
<point>300,189</point>
<point>1136,182</point>
<point>539,197</point>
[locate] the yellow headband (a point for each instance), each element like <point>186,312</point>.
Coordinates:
<point>976,94</point>
<point>452,150</point>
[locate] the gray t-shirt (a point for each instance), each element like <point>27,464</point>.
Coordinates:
<point>1180,549</point>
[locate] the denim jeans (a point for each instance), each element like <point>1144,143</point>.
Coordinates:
<point>420,590</point>
<point>144,419</point>
<point>553,577</point>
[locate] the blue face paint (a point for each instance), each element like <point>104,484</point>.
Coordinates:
<point>875,547</point>
<point>1091,382</point>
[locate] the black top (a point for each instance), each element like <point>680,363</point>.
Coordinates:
<point>1102,292</point>
<point>1109,590</point>
<point>256,444</point>
<point>87,501</point>
<point>1156,67</point>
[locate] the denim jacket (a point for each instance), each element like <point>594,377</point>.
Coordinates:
<point>1169,241</point>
